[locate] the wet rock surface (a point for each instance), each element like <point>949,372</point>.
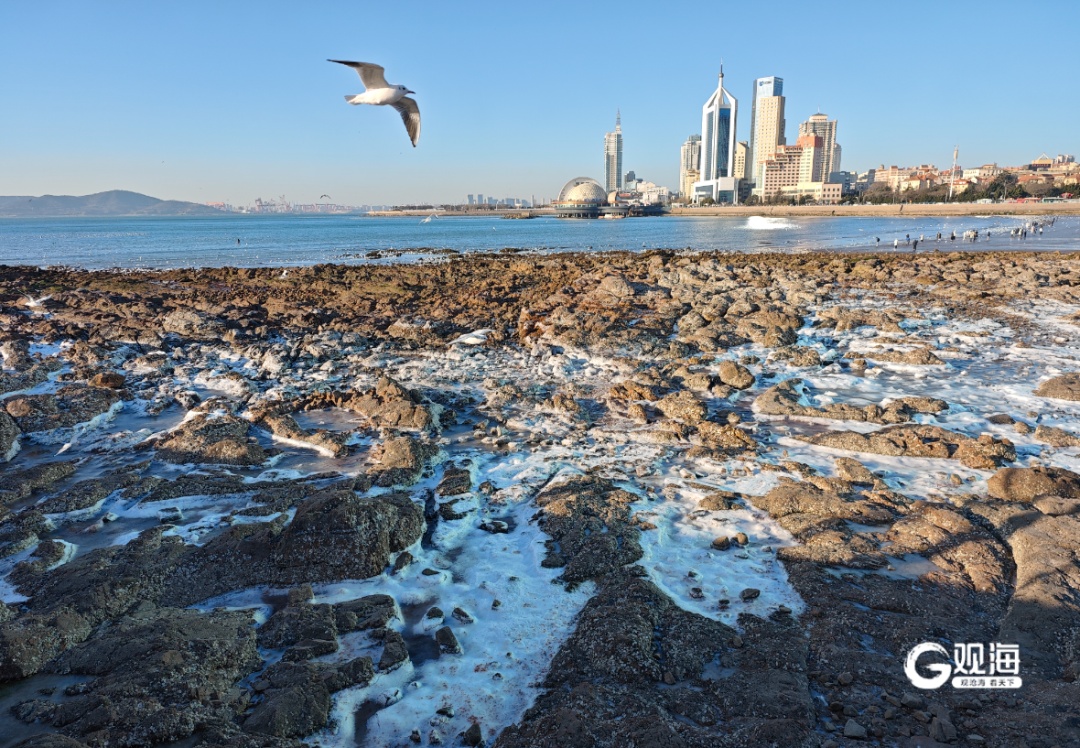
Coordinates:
<point>725,493</point>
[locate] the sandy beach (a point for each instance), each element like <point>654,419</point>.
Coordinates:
<point>661,498</point>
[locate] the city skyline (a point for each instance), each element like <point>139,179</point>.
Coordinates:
<point>99,99</point>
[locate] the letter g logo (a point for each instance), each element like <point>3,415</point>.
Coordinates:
<point>943,671</point>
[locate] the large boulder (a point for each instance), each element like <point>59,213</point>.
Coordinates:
<point>1028,484</point>
<point>1063,387</point>
<point>217,438</point>
<point>400,460</point>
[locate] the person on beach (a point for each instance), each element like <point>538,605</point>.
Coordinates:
<point>953,237</point>
<point>915,247</point>
<point>895,243</point>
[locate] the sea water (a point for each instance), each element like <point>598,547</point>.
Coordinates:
<point>275,240</point>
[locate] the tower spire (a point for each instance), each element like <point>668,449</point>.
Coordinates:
<point>618,120</point>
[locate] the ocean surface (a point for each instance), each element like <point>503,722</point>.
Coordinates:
<point>275,240</point>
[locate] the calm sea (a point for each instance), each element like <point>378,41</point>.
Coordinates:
<point>251,241</point>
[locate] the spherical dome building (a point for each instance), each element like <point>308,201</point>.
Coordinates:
<point>581,197</point>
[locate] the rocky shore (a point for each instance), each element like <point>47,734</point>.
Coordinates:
<point>649,499</point>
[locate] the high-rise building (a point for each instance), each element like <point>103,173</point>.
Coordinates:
<point>767,122</point>
<point>741,149</point>
<point>613,155</point>
<point>821,126</point>
<point>718,118</point>
<point>472,199</point>
<point>689,160</point>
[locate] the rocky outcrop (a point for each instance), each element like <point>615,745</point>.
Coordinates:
<point>634,673</point>
<point>284,426</point>
<point>786,399</point>
<point>335,535</point>
<point>913,357</point>
<point>195,660</point>
<point>388,405</point>
<point>215,438</point>
<point>1028,484</point>
<point>588,524</point>
<point>1056,437</point>
<point>985,453</point>
<point>70,406</point>
<point>400,460</point>
<point>1063,387</point>
<point>296,699</point>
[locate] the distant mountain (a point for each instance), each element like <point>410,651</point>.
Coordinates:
<point>111,203</point>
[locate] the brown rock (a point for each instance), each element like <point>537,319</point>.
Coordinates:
<point>1056,437</point>
<point>1027,484</point>
<point>109,379</point>
<point>1063,387</point>
<point>735,375</point>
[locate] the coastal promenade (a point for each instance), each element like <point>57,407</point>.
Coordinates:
<point>792,211</point>
<point>887,210</point>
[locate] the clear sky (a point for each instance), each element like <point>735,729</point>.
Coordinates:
<point>209,101</point>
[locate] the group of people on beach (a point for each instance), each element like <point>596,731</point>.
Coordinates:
<point>972,235</point>
<point>1035,227</point>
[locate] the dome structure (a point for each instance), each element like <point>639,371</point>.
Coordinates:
<point>581,197</point>
<point>583,191</point>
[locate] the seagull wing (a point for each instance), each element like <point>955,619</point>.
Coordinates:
<point>410,115</point>
<point>372,75</point>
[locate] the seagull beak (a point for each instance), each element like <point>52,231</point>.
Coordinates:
<point>408,91</point>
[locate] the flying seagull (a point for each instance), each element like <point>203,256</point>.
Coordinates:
<point>379,92</point>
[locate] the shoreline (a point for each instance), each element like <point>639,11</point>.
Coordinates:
<point>793,211</point>
<point>886,211</point>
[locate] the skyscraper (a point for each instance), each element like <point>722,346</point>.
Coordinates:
<point>718,118</point>
<point>613,155</point>
<point>740,159</point>
<point>767,122</point>
<point>689,160</point>
<point>821,126</point>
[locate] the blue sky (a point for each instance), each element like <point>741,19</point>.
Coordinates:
<point>232,101</point>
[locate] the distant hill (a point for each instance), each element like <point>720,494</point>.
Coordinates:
<point>111,203</point>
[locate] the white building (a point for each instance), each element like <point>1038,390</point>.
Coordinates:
<point>613,156</point>
<point>718,120</point>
